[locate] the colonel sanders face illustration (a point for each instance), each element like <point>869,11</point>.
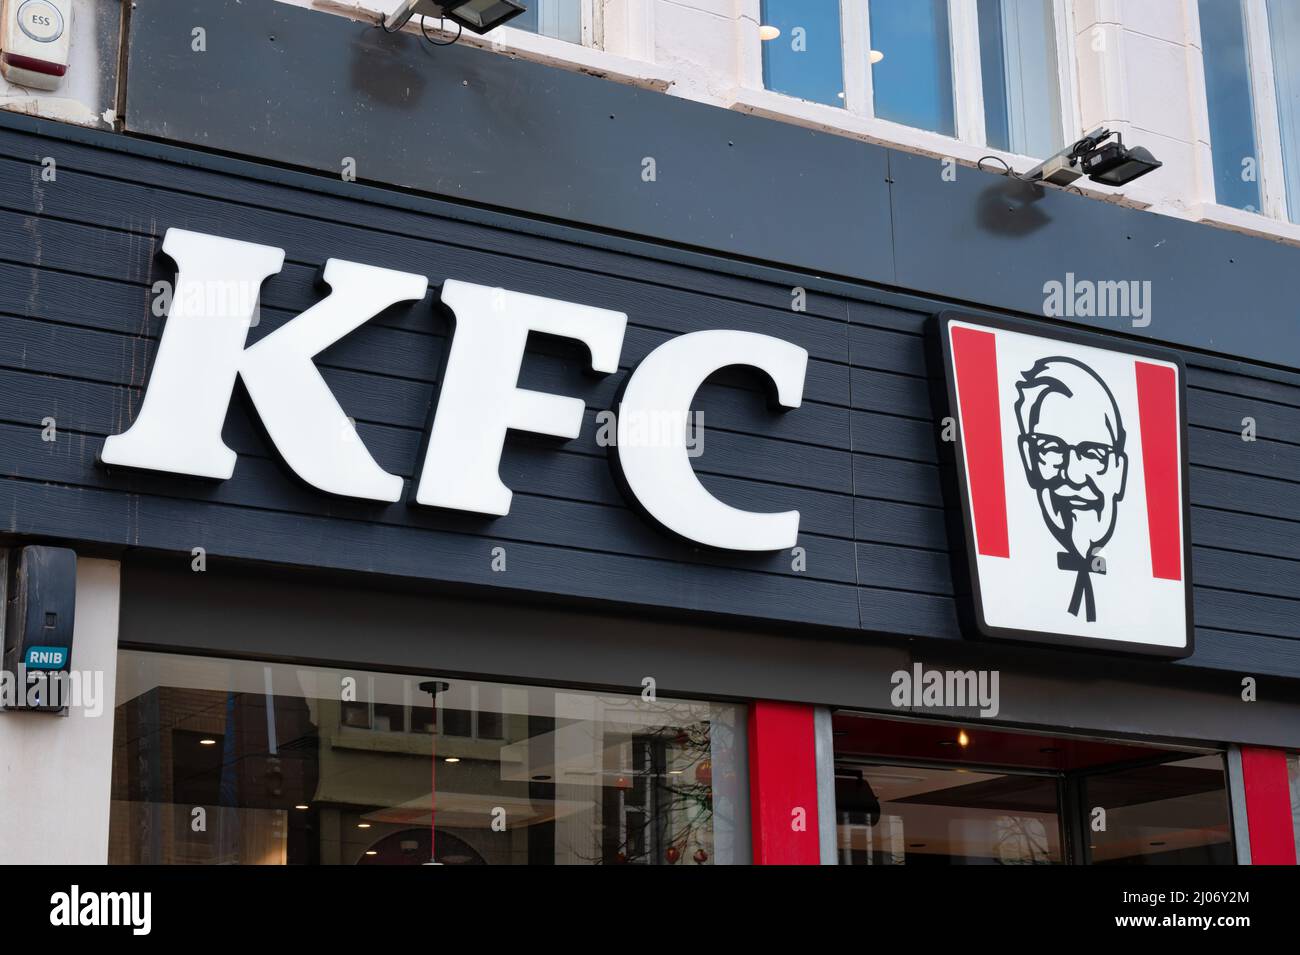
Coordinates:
<point>1072,449</point>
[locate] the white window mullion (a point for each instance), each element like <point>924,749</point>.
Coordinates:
<point>967,80</point>
<point>855,29</point>
<point>1268,132</point>
<point>1067,68</point>
<point>592,34</point>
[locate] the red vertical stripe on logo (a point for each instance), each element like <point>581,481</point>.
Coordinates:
<point>975,362</point>
<point>1157,391</point>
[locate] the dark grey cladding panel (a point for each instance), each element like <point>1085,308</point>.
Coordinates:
<point>77,259</point>
<point>985,238</point>
<point>302,87</point>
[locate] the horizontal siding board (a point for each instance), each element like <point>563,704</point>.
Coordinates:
<point>1248,573</point>
<point>260,484</point>
<point>530,466</point>
<point>1245,493</point>
<point>112,518</point>
<point>96,203</point>
<point>1285,393</point>
<point>1272,422</point>
<point>386,211</point>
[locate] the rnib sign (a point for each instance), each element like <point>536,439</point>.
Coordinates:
<point>1072,481</point>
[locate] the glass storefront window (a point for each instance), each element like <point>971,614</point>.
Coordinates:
<point>906,815</point>
<point>1170,813</point>
<point>912,792</point>
<point>230,761</point>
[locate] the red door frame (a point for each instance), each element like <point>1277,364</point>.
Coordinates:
<point>783,784</point>
<point>1268,806</point>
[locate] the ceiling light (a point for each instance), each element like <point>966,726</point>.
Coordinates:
<point>452,759</point>
<point>768,32</point>
<point>963,739</point>
<point>363,825</point>
<point>302,805</point>
<point>372,852</point>
<point>208,742</point>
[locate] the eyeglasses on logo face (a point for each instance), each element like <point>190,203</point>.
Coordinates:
<point>1052,454</point>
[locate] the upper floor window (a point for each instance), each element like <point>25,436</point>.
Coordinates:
<point>1021,76</point>
<point>806,59</point>
<point>988,72</point>
<point>562,19</point>
<point>1231,104</point>
<point>912,83</point>
<point>1251,51</point>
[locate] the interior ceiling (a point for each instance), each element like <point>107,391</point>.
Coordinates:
<point>857,735</point>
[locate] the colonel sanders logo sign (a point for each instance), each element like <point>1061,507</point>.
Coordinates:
<point>1071,478</point>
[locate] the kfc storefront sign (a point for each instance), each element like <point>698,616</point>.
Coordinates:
<point>203,349</point>
<point>1071,471</point>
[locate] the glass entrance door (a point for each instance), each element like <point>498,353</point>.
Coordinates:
<point>916,793</point>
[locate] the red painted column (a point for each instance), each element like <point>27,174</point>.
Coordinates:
<point>783,784</point>
<point>1268,806</point>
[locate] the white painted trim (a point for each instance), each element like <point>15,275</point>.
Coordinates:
<point>1249,223</point>
<point>524,44</point>
<point>923,142</point>
<point>1237,804</point>
<point>967,78</point>
<point>749,55</point>
<point>855,34</point>
<point>824,756</point>
<point>1067,66</point>
<point>56,772</point>
<point>561,53</point>
<point>627,28</point>
<point>1268,134</point>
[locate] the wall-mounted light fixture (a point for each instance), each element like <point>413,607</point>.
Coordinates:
<point>480,16</point>
<point>1106,163</point>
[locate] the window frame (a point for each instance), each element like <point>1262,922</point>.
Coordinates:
<point>967,79</point>
<point>590,32</point>
<point>1268,131</point>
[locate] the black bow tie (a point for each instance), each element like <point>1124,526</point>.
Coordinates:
<point>1083,566</point>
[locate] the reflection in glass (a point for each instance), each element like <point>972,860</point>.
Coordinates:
<point>229,761</point>
<point>1284,38</point>
<point>906,815</point>
<point>912,84</point>
<point>561,19</point>
<point>1231,104</point>
<point>806,59</point>
<point>1172,813</point>
<point>1022,105</point>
